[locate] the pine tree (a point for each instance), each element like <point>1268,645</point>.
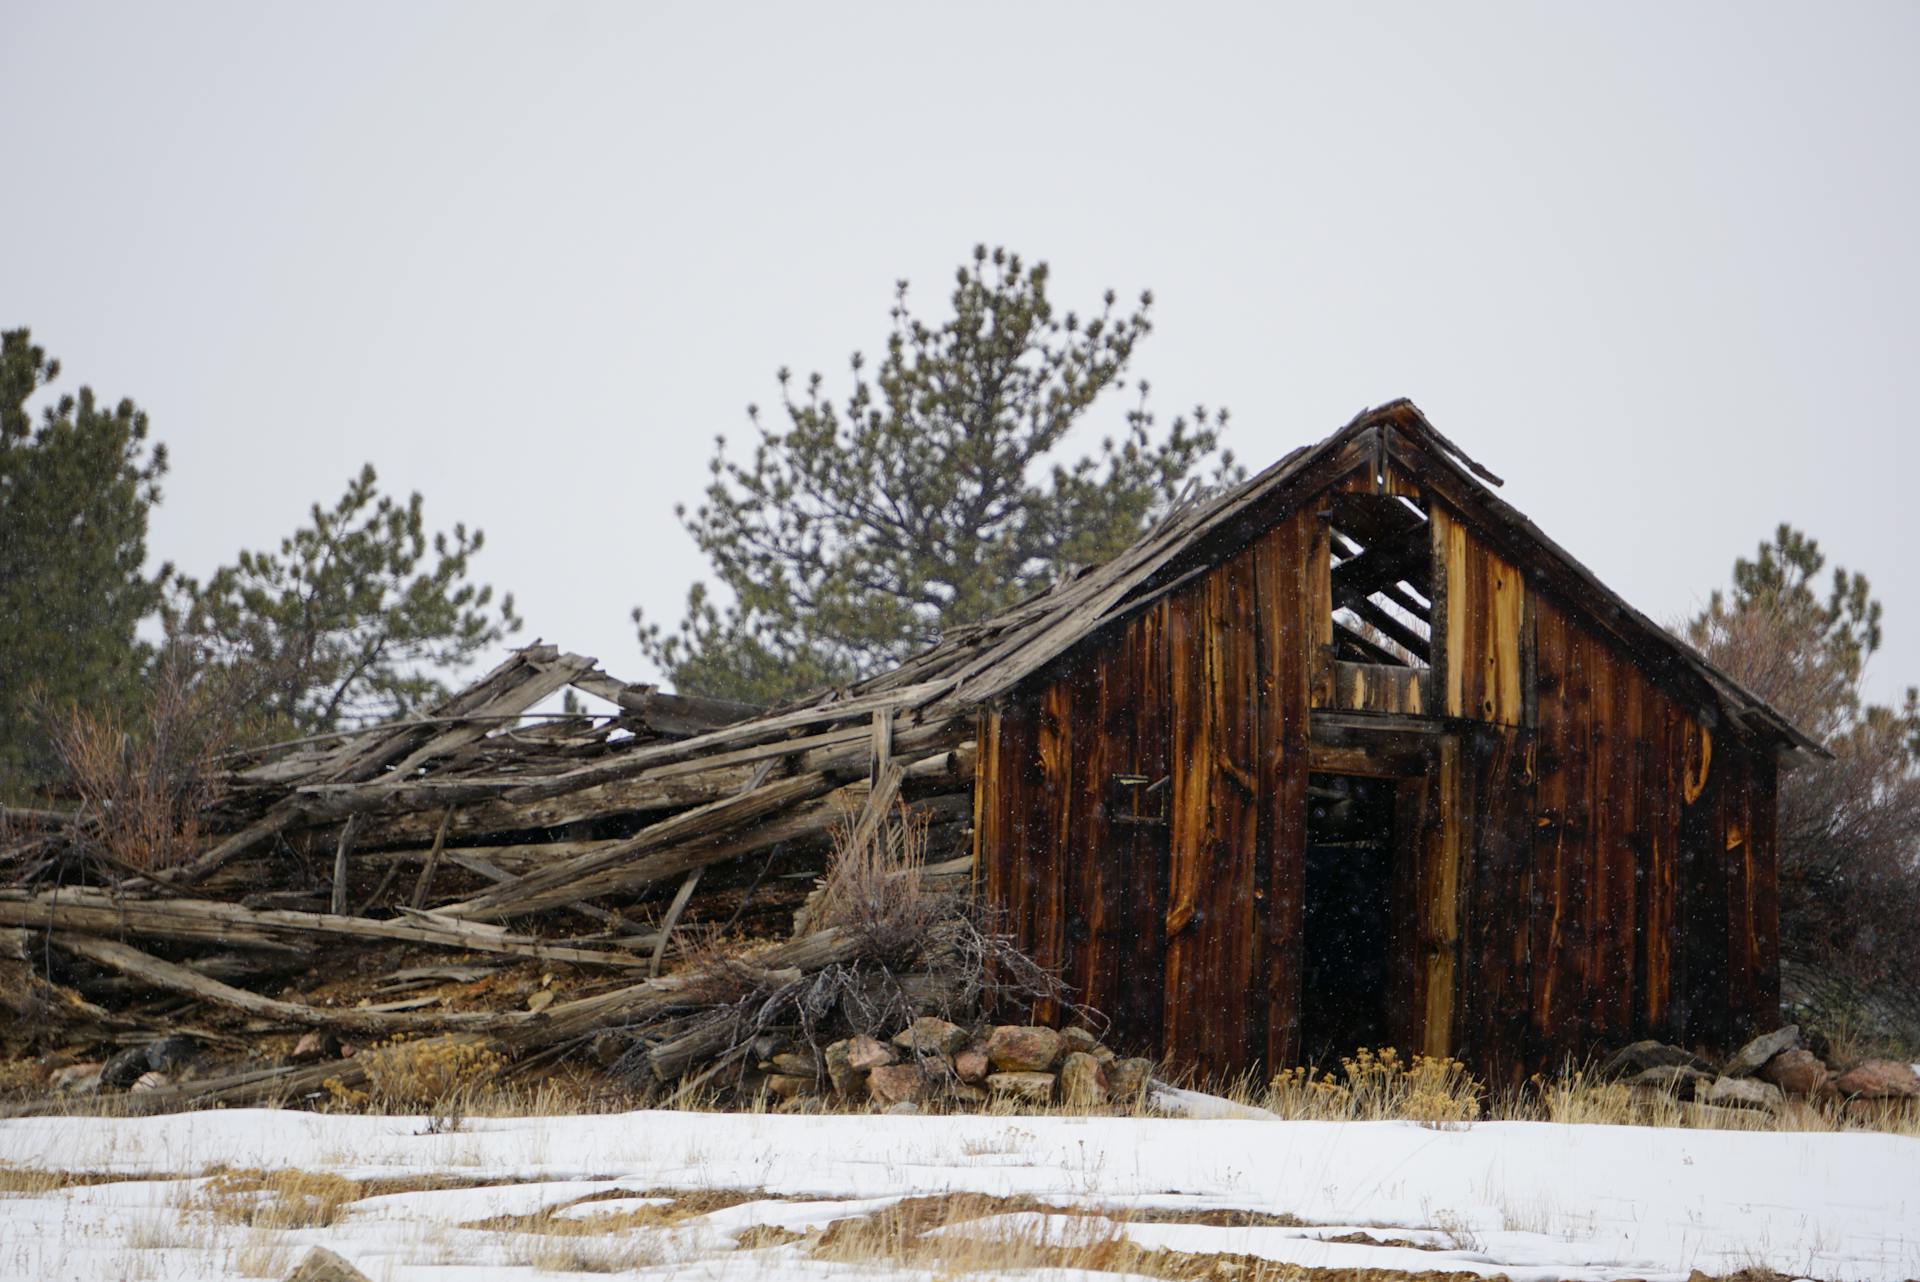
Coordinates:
<point>935,494</point>
<point>350,621</point>
<point>75,491</point>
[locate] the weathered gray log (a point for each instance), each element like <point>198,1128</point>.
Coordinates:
<point>159,973</point>
<point>559,883</point>
<point>675,847</point>
<point>340,853</point>
<point>526,677</point>
<point>30,1001</point>
<point>209,921</point>
<point>425,883</point>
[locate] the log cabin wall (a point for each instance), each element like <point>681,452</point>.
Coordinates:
<point>1594,864</point>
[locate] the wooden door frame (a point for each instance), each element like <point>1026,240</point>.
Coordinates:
<point>1422,757</point>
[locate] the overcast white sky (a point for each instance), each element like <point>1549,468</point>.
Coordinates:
<point>1655,264</point>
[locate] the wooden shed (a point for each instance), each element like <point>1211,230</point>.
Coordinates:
<point>1350,754</point>
<point>1355,755</point>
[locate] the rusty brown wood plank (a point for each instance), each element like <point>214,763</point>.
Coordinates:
<point>1318,606</point>
<point>1763,843</point>
<point>1480,618</point>
<point>1108,859</point>
<point>1499,782</point>
<point>988,873</point>
<point>1613,806</point>
<point>1378,687</point>
<point>1704,893</point>
<point>1231,930</point>
<point>1659,831</point>
<point>1562,841</point>
<point>1139,1018</point>
<point>1440,902</point>
<point>1192,766</point>
<point>1408,889</point>
<point>1286,632</point>
<point>1665,906</point>
<point>1053,834</point>
<point>1506,611</point>
<point>1453,613</point>
<point>1016,752</point>
<point>1742,945</point>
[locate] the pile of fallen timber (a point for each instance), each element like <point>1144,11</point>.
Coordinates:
<point>480,871</point>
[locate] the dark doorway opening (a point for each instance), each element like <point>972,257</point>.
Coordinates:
<point>1347,917</point>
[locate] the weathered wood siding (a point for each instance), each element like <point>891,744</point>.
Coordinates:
<point>1184,930</point>
<point>1609,898</point>
<point>1481,613</point>
<point>1593,864</point>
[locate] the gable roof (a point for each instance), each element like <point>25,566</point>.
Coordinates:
<point>978,663</point>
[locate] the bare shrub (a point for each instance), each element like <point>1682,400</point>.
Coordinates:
<point>917,950</point>
<point>145,784</point>
<point>876,885</point>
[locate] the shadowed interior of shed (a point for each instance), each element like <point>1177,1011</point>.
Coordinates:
<point>1348,939</point>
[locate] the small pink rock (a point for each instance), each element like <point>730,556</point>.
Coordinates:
<point>1797,1072</point>
<point>865,1052</point>
<point>1024,1048</point>
<point>930,1036</point>
<point>1082,1083</point>
<point>75,1078</point>
<point>1129,1078</point>
<point>1878,1079</point>
<point>971,1065</point>
<point>317,1044</point>
<point>787,1086</point>
<point>897,1084</point>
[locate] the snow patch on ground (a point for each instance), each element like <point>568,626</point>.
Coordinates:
<point>1531,1200</point>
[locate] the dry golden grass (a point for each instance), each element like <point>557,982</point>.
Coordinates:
<point>612,1242</point>
<point>21,1078</point>
<point>280,1199</point>
<point>33,1181</point>
<point>442,1074</point>
<point>449,1079</point>
<point>1574,1098</point>
<point>1378,1084</point>
<point>930,1233</point>
<point>681,1205</point>
<point>263,1255</point>
<point>762,1236</point>
<point>557,1254</point>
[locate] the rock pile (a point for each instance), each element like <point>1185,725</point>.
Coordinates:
<point>1764,1074</point>
<point>932,1061</point>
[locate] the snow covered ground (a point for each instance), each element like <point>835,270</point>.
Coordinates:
<point>1526,1199</point>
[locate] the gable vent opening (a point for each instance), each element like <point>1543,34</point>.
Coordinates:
<point>1382,559</point>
